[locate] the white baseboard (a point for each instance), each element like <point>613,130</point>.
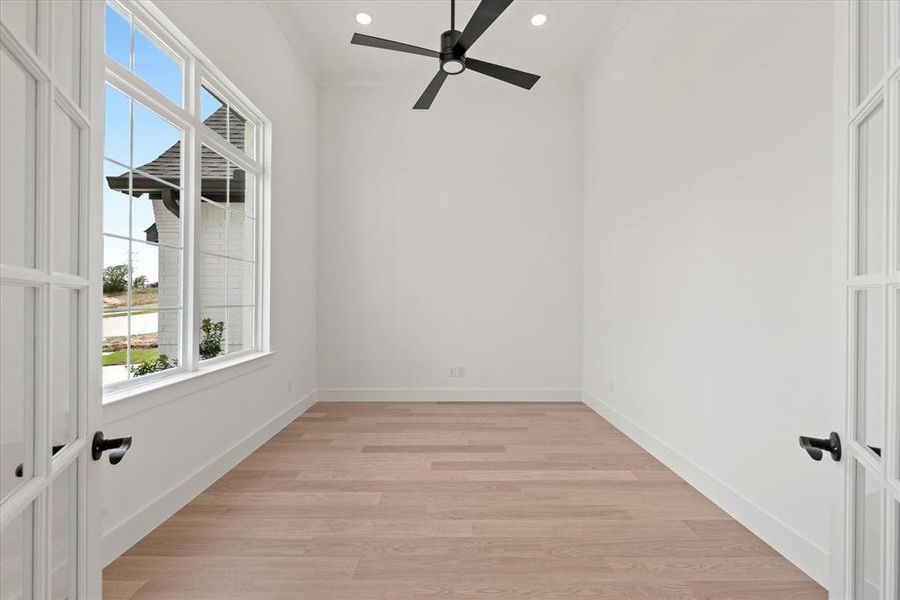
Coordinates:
<point>449,395</point>
<point>127,533</point>
<point>808,557</point>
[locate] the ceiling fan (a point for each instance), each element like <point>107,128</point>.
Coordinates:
<point>454,45</point>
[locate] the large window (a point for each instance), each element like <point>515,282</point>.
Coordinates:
<point>183,199</point>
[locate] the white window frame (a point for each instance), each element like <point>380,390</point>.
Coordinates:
<point>199,71</point>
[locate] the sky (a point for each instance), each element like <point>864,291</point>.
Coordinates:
<point>151,136</point>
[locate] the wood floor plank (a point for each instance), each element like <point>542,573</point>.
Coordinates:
<point>408,501</point>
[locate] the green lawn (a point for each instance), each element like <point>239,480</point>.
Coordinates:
<point>137,355</point>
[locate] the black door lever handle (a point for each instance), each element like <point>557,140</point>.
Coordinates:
<point>815,446</point>
<point>117,447</point>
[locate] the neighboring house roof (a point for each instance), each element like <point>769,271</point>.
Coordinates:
<point>152,233</point>
<point>167,167</point>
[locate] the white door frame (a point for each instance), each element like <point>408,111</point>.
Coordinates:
<point>84,111</point>
<point>848,114</point>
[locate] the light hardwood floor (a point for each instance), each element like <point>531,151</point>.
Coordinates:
<point>405,501</point>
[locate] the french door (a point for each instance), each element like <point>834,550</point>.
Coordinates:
<point>49,394</point>
<point>865,547</point>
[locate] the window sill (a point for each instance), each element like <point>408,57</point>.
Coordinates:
<point>121,404</point>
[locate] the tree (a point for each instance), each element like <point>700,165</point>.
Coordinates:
<point>115,279</point>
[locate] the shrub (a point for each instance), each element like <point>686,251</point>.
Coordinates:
<point>145,367</point>
<point>211,342</point>
<point>115,279</point>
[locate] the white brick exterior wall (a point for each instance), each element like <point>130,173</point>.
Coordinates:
<point>213,276</point>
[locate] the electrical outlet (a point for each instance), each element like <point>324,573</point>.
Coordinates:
<point>290,386</point>
<point>457,372</point>
<point>612,388</point>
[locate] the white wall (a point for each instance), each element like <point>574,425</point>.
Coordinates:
<point>180,445</point>
<point>706,253</point>
<point>450,237</point>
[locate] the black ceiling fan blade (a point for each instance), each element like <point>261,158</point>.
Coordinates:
<point>361,39</point>
<point>486,13</point>
<point>513,76</point>
<point>431,91</point>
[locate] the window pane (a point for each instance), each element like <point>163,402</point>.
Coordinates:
<point>15,556</point>
<point>115,346</point>
<point>117,182</point>
<point>239,329</point>
<point>155,341</point>
<point>213,223</point>
<point>157,67</point>
<point>157,145</point>
<point>63,519</point>
<point>872,44</point>
<point>214,171</point>
<point>213,273</point>
<point>116,278</point>
<point>240,236</point>
<point>156,216</point>
<point>118,37</point>
<point>66,42</point>
<point>240,131</point>
<point>212,332</point>
<point>17,157</point>
<point>871,194</point>
<point>117,130</point>
<point>65,185</point>
<point>870,364</point>
<point>17,325</point>
<point>240,283</point>
<point>868,524</point>
<point>21,18</point>
<point>156,276</point>
<point>209,104</point>
<point>64,362</point>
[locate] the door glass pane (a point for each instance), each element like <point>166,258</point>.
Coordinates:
<point>63,520</point>
<point>17,325</point>
<point>870,365</point>
<point>872,44</point>
<point>15,557</point>
<point>871,193</point>
<point>64,185</point>
<point>21,18</point>
<point>66,40</point>
<point>868,525</point>
<point>64,363</point>
<point>17,162</point>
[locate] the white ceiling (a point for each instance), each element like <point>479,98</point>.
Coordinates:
<point>320,31</point>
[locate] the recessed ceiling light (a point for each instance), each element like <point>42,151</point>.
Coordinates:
<point>538,20</point>
<point>365,18</point>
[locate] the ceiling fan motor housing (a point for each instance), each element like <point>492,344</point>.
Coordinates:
<point>453,59</point>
